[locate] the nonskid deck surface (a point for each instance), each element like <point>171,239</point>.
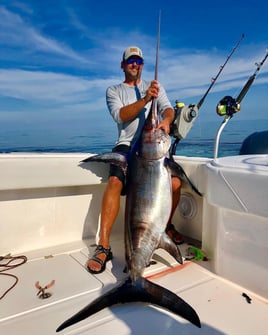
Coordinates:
<point>221,306</point>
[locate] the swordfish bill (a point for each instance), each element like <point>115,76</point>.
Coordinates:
<point>148,207</point>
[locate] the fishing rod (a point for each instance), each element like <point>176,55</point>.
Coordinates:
<point>213,80</point>
<point>228,106</point>
<point>251,79</point>
<point>186,115</point>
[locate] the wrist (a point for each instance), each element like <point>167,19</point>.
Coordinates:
<point>146,100</point>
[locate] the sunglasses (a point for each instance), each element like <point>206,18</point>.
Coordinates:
<point>138,61</point>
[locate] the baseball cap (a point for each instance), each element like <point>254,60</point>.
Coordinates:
<point>132,51</point>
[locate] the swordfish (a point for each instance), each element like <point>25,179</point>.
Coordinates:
<point>148,207</point>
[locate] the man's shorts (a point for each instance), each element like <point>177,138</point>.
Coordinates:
<point>116,170</point>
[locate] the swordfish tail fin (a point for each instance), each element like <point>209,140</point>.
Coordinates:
<point>142,290</point>
<point>160,296</point>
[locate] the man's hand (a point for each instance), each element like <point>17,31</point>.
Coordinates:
<point>168,117</point>
<point>165,125</point>
<point>152,91</point>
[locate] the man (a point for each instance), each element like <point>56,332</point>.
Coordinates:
<point>129,104</point>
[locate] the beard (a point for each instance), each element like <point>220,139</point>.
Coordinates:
<point>133,75</point>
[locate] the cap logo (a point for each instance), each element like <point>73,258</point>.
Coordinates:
<point>134,50</point>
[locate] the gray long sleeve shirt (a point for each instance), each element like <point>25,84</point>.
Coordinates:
<point>121,95</point>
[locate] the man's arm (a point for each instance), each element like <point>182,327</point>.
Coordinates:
<point>129,112</point>
<point>168,117</point>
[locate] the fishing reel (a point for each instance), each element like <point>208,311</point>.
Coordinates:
<point>227,106</point>
<point>183,121</point>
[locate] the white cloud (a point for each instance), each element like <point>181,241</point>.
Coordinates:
<point>15,32</point>
<point>49,88</point>
<point>186,73</point>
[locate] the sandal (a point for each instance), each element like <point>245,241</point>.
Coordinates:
<point>100,250</point>
<point>176,237</point>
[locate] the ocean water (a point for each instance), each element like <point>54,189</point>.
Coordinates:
<point>84,137</point>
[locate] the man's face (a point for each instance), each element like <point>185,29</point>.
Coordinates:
<point>133,67</point>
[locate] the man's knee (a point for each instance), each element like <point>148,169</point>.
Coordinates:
<point>115,183</point>
<point>176,184</point>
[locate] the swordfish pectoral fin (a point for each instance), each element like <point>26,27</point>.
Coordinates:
<point>177,170</point>
<point>141,291</point>
<point>111,157</point>
<point>167,244</point>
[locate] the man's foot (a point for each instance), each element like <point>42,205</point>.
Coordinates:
<point>176,237</point>
<point>97,263</point>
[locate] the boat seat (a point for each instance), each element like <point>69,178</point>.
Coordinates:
<point>256,143</point>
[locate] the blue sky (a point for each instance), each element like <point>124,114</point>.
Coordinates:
<point>59,56</point>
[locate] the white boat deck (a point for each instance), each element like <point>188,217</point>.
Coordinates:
<point>49,209</point>
<point>219,303</point>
